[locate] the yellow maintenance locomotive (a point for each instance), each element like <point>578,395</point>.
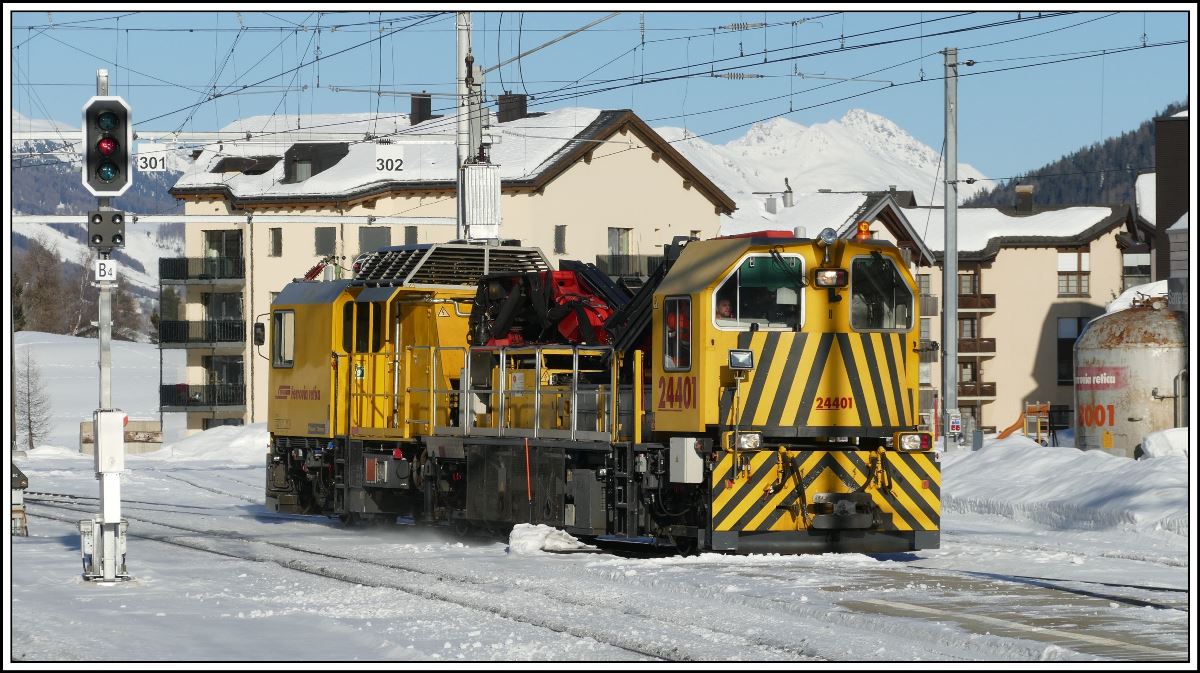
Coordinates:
<point>758,393</point>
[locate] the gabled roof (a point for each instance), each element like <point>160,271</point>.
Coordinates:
<point>886,207</point>
<point>982,232</point>
<point>533,151</point>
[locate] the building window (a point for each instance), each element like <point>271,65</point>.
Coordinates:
<point>223,370</point>
<point>968,372</point>
<point>677,333</point>
<point>968,328</point>
<point>1073,271</point>
<point>968,283</point>
<point>694,233</point>
<point>283,338</point>
<point>222,305</point>
<point>618,241</point>
<point>374,238</point>
<point>207,423</point>
<point>926,329</point>
<point>276,249</point>
<point>1136,269</point>
<point>1069,330</point>
<point>560,239</point>
<point>223,243</point>
<point>410,235</point>
<point>923,283</point>
<point>326,240</point>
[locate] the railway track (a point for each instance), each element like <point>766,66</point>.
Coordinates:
<point>763,626</point>
<point>651,636</point>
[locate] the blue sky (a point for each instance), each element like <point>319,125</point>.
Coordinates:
<point>164,63</point>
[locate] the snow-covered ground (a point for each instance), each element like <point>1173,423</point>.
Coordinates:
<point>1047,554</point>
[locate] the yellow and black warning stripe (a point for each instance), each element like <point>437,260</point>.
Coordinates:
<point>794,368</point>
<point>770,490</point>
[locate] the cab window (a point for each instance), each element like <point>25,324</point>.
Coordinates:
<point>765,290</point>
<point>879,297</point>
<point>677,336</point>
<point>283,338</point>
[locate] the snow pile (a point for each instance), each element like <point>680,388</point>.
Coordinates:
<point>1064,488</point>
<point>1156,289</point>
<point>237,445</point>
<point>55,452</point>
<point>528,539</point>
<point>1164,443</point>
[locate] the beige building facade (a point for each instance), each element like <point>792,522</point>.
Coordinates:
<point>613,193</point>
<point>1024,296</point>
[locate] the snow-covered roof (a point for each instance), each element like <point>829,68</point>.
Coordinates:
<point>981,228</point>
<point>529,151</point>
<point>1181,113</point>
<point>1181,224</point>
<point>1145,195</point>
<point>526,148</point>
<point>813,211</point>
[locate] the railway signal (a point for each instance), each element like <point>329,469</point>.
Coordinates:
<point>107,145</point>
<point>106,230</point>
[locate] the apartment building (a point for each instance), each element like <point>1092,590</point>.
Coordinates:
<point>596,185</point>
<point>1029,279</point>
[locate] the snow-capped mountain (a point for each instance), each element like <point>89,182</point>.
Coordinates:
<point>862,151</point>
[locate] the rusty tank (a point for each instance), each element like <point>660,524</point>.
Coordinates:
<point>1130,377</point>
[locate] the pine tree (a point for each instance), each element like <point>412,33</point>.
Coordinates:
<point>42,292</point>
<point>32,405</point>
<point>18,312</point>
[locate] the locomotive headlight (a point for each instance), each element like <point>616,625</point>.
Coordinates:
<point>912,441</point>
<point>827,237</point>
<point>749,440</point>
<point>831,278</point>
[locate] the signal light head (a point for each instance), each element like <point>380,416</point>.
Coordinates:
<point>107,168</point>
<point>108,120</point>
<point>107,171</point>
<point>97,239</point>
<point>107,146</point>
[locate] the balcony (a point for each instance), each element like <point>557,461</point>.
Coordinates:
<point>202,334</point>
<point>976,391</point>
<point>218,397</point>
<point>628,265</point>
<point>977,347</point>
<point>202,270</point>
<point>976,303</point>
<point>929,351</point>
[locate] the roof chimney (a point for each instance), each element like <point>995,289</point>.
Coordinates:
<point>512,106</point>
<point>1025,198</point>
<point>422,108</point>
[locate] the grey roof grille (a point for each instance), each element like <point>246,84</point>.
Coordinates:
<point>444,264</point>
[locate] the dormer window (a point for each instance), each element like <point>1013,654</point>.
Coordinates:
<point>245,165</point>
<point>304,160</point>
